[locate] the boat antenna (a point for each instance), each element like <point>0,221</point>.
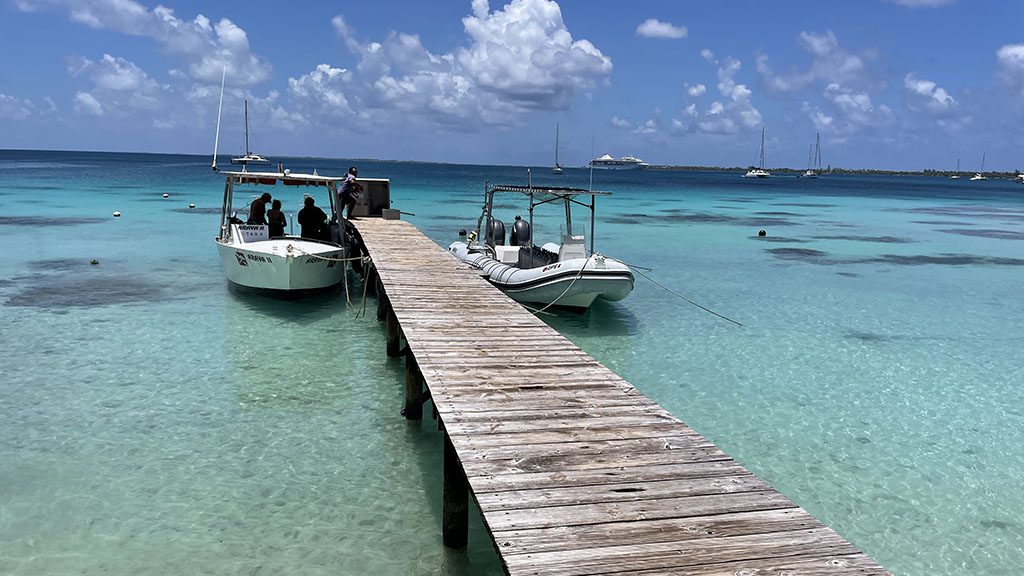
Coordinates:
<point>220,105</point>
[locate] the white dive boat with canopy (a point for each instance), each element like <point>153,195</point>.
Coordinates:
<point>566,274</point>
<point>289,266</point>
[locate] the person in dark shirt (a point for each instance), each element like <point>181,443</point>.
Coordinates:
<point>312,220</point>
<point>350,190</point>
<point>276,219</point>
<point>258,210</point>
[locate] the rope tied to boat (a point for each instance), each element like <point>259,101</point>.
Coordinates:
<point>677,294</point>
<point>564,292</point>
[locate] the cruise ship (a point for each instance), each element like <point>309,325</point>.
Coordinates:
<point>606,162</point>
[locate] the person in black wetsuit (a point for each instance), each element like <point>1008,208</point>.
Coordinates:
<point>258,210</point>
<point>276,219</point>
<point>313,220</point>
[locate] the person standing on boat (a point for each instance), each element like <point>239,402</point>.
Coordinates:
<point>350,189</point>
<point>312,220</point>
<point>258,210</point>
<point>276,219</point>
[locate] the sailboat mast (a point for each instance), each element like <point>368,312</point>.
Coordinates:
<point>556,144</point>
<point>246,103</point>
<point>762,147</point>
<point>817,151</point>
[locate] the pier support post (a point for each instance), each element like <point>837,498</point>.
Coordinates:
<point>455,500</point>
<point>382,299</point>
<point>393,334</point>
<point>413,389</point>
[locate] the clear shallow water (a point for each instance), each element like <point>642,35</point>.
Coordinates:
<point>153,421</point>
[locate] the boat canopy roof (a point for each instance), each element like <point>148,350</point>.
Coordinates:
<point>288,179</point>
<point>547,190</point>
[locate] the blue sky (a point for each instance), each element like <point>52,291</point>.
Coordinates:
<point>898,84</point>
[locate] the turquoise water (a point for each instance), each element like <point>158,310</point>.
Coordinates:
<point>153,421</point>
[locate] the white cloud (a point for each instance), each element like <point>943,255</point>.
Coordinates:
<point>205,48</point>
<point>731,113</point>
<point>855,110</point>
<point>515,60</point>
<point>87,104</point>
<point>12,108</point>
<point>621,123</point>
<point>829,63</point>
<point>119,86</point>
<point>1010,66</point>
<point>929,96</point>
<point>524,54</point>
<point>653,28</point>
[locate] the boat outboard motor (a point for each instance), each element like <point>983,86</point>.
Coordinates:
<point>497,235</point>
<point>520,234</point>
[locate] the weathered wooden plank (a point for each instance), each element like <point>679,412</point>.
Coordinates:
<point>557,424</point>
<point>612,493</point>
<point>603,476</point>
<point>471,442</point>
<point>650,531</point>
<point>751,549</point>
<point>571,461</point>
<point>803,565</point>
<point>686,507</point>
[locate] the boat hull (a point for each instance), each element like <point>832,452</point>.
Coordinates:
<point>575,283</point>
<point>270,266</point>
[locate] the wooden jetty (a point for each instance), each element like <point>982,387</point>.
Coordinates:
<point>573,469</point>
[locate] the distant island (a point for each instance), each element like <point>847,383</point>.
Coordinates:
<point>834,170</point>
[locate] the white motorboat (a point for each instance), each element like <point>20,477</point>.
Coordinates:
<point>288,266</point>
<point>249,157</point>
<point>759,171</point>
<point>607,162</point>
<point>566,274</point>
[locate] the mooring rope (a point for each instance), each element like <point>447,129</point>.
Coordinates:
<point>673,292</point>
<point>564,292</point>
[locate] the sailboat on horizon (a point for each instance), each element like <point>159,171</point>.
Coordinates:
<point>759,171</point>
<point>250,157</point>
<point>980,174</point>
<point>956,175</point>
<point>814,158</point>
<point>558,169</point>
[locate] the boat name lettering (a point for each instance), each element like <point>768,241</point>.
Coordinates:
<point>258,258</point>
<point>250,227</point>
<point>312,260</point>
<point>551,267</point>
